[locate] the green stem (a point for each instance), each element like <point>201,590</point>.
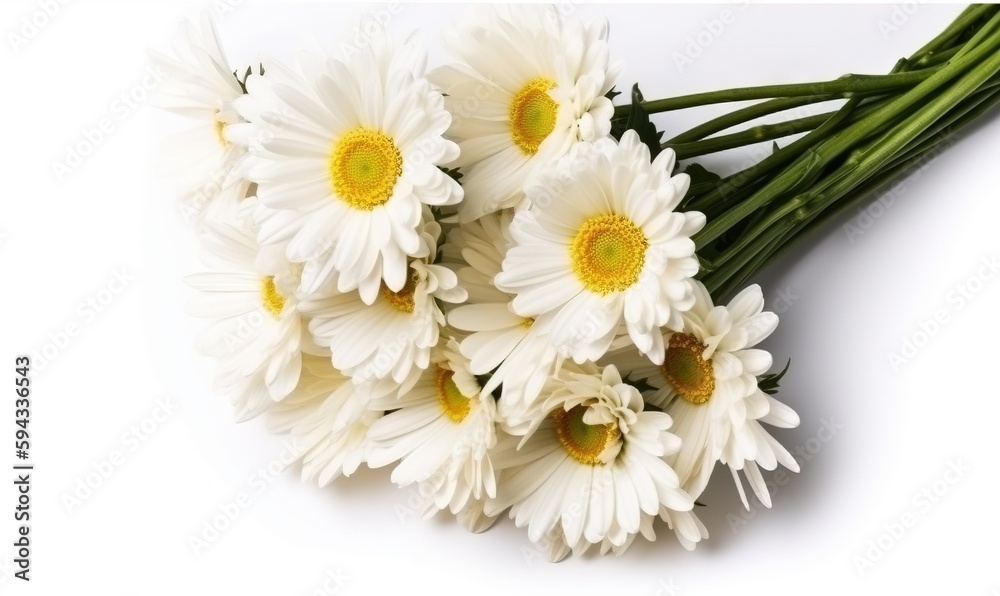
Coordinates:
<point>845,86</point>
<point>982,33</point>
<point>881,152</point>
<point>750,136</point>
<point>912,158</point>
<point>965,19</point>
<point>742,259</point>
<point>719,194</point>
<point>722,195</point>
<point>937,58</point>
<point>744,115</point>
<point>818,158</point>
<point>723,192</point>
<point>934,53</point>
<point>712,201</point>
<point>764,220</point>
<point>984,93</point>
<point>907,143</point>
<point>726,282</point>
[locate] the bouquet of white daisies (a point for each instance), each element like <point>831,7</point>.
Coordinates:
<point>492,279</point>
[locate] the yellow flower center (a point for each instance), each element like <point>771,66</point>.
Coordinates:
<point>454,405</point>
<point>270,297</point>
<point>586,443</point>
<point>532,114</point>
<point>608,253</point>
<point>403,299</point>
<point>365,165</point>
<point>687,371</point>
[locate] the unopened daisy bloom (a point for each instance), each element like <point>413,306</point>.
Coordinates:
<point>257,333</point>
<point>531,87</point>
<point>708,383</point>
<point>328,418</point>
<point>346,156</point>
<point>516,350</point>
<point>200,85</point>
<point>397,331</point>
<point>601,246</point>
<point>440,431</point>
<point>591,466</point>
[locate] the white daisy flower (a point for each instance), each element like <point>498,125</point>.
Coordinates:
<point>200,85</point>
<point>328,418</point>
<point>531,87</point>
<point>591,466</point>
<point>440,431</point>
<point>257,333</point>
<point>345,157</point>
<point>514,350</point>
<point>708,383</point>
<point>396,331</point>
<point>601,246</point>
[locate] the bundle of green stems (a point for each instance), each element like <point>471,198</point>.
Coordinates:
<point>886,125</point>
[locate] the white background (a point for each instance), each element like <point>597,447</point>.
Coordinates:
<point>846,301</point>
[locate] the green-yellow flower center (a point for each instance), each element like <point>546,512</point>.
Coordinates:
<point>403,299</point>
<point>364,166</point>
<point>532,114</point>
<point>687,371</point>
<point>270,297</point>
<point>608,253</point>
<point>586,443</point>
<point>454,405</point>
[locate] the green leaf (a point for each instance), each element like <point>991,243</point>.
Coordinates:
<point>641,384</point>
<point>243,82</point>
<point>638,120</point>
<point>769,383</point>
<point>454,173</point>
<point>703,182</point>
<point>242,85</point>
<point>700,175</point>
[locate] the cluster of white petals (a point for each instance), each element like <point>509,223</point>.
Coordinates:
<point>460,274</point>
